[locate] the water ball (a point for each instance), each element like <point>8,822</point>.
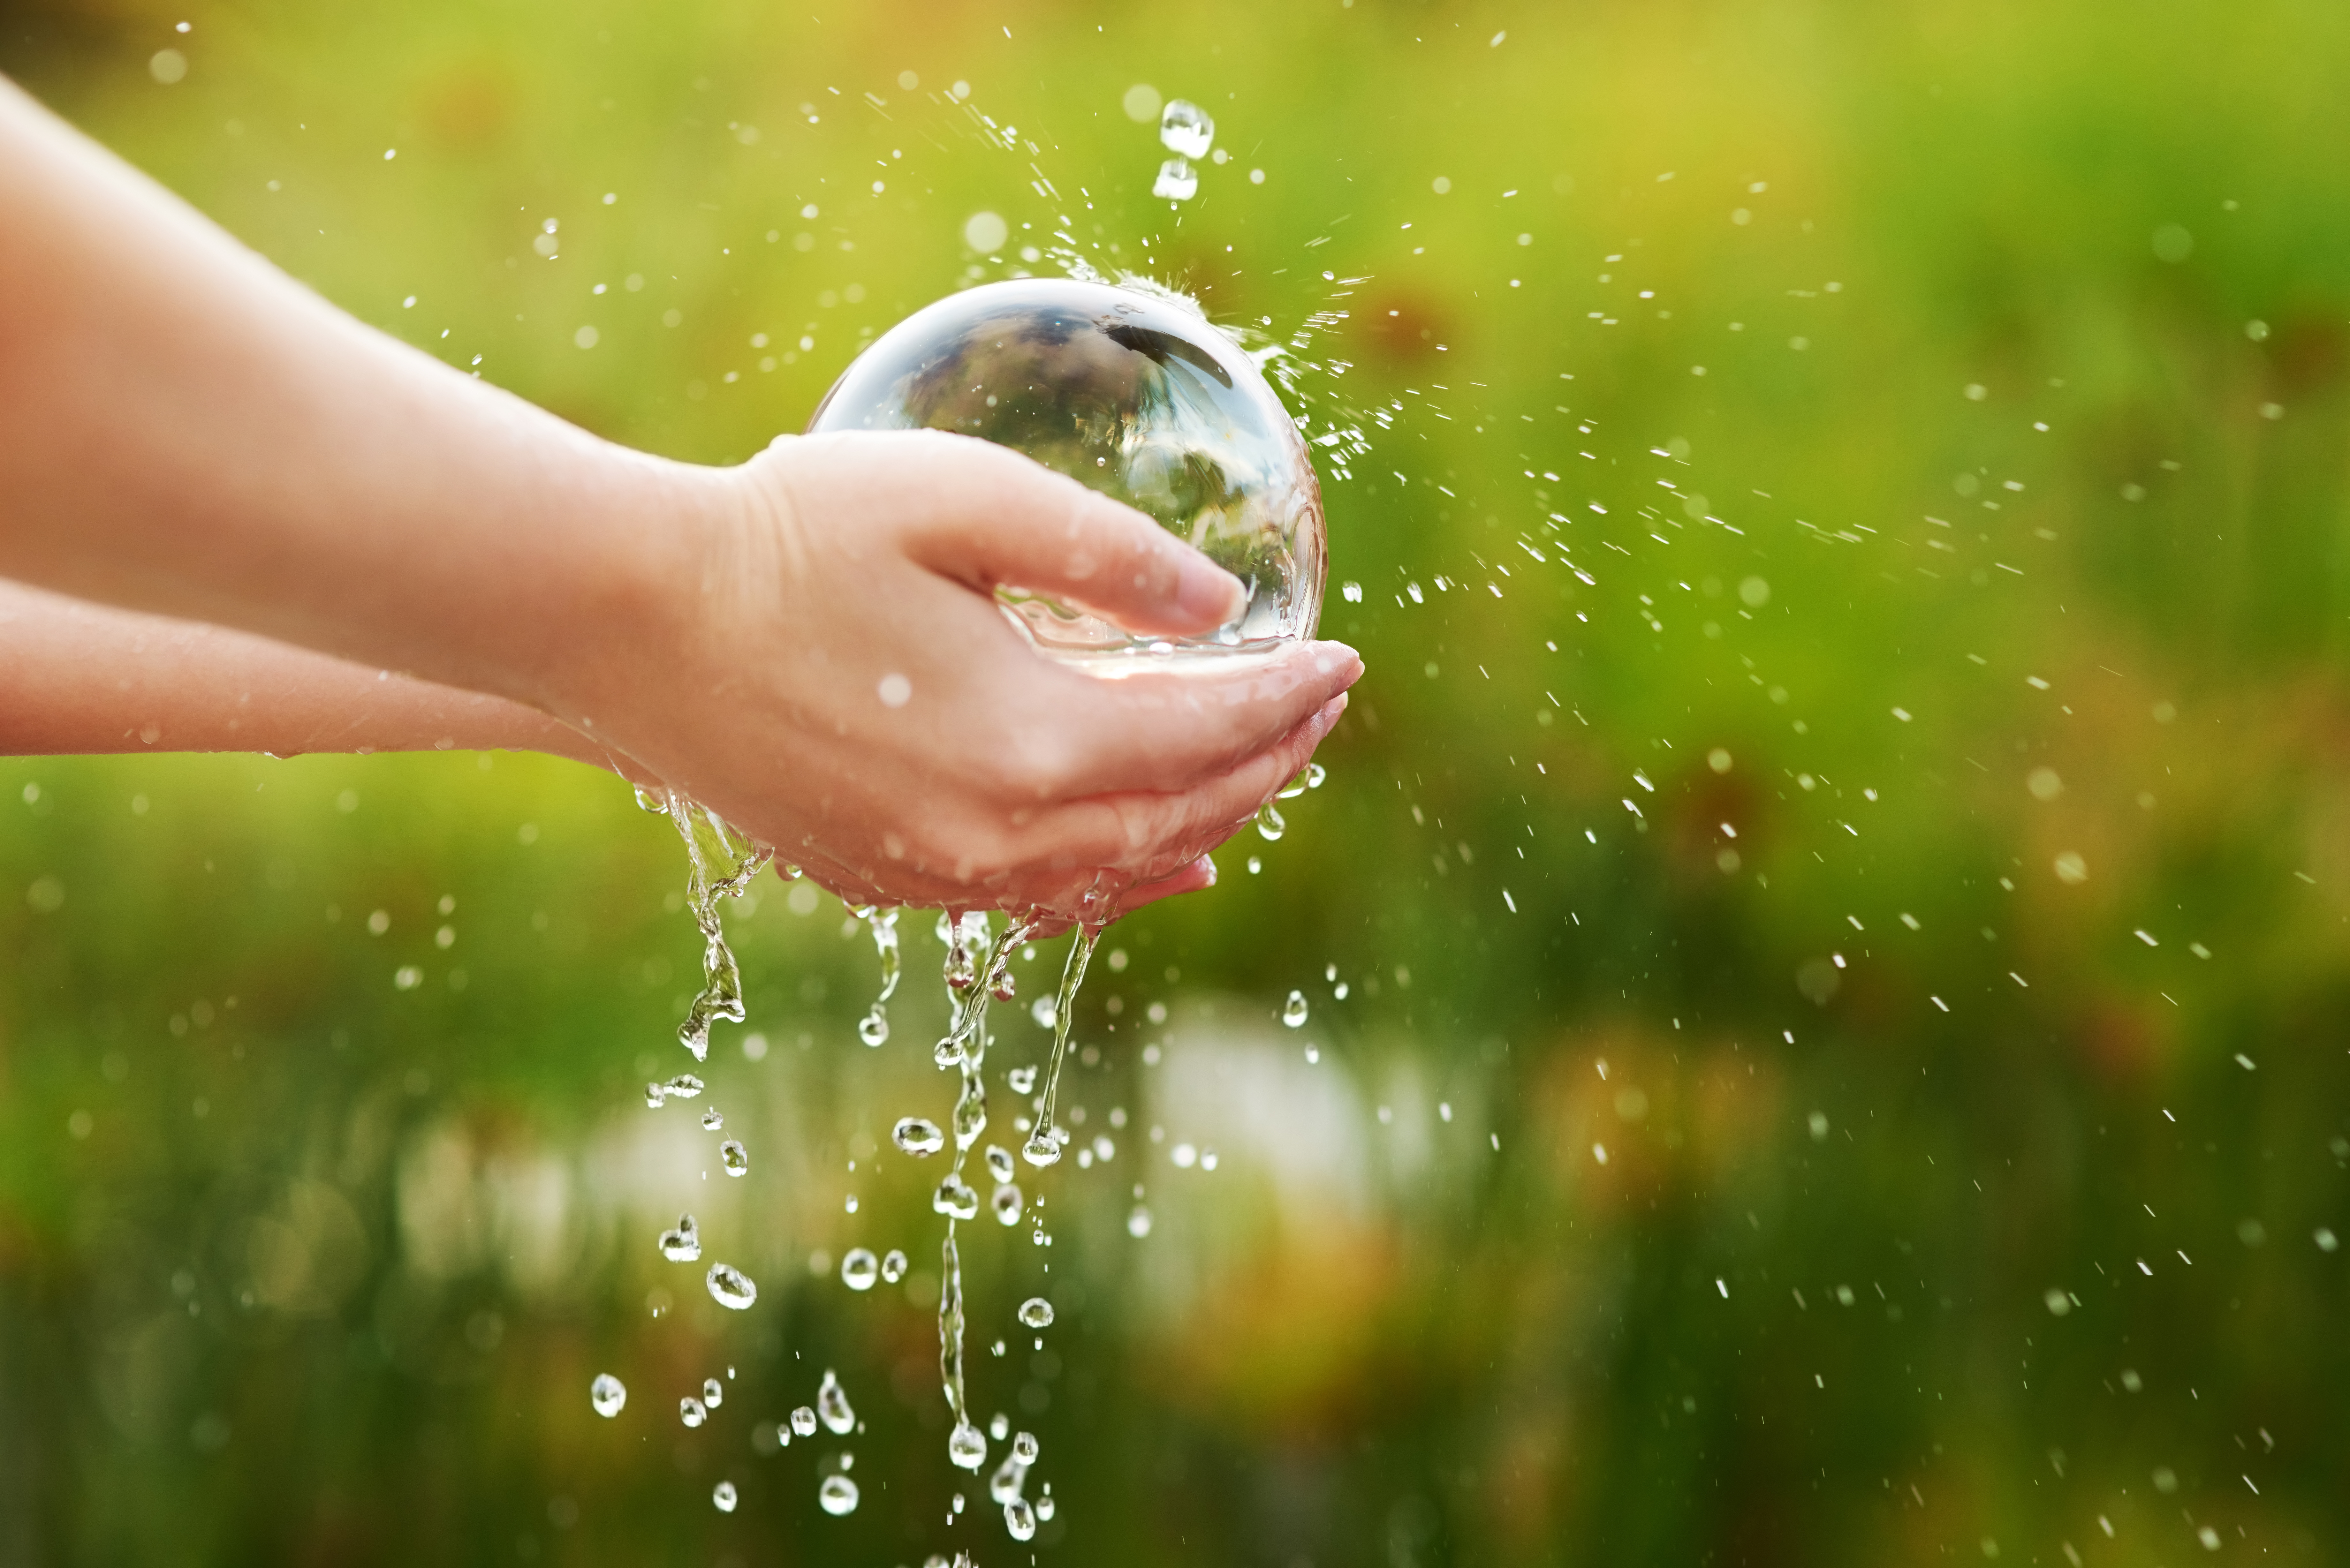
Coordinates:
<point>1130,390</point>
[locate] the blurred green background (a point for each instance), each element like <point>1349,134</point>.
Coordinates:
<point>1842,1056</point>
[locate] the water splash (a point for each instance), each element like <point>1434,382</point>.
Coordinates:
<point>721,860</point>
<point>882,921</point>
<point>608,1394</point>
<point>1043,1149</point>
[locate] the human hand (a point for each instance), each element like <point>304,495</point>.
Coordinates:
<point>830,671</point>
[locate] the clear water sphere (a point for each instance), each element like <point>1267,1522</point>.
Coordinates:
<point>804,1421</point>
<point>1023,1079</point>
<point>691,1411</point>
<point>713,1392</point>
<point>1025,1448</point>
<point>999,1162</point>
<point>918,1136</point>
<point>1019,1519</point>
<point>893,1266</point>
<point>1293,1011</point>
<point>956,1199</point>
<point>837,1496</point>
<point>684,1086</point>
<point>859,1267</point>
<point>730,1287</point>
<point>609,1394</point>
<point>967,1446</point>
<point>733,1156</point>
<point>1037,1313</point>
<point>1185,129</point>
<point>1177,181</point>
<point>722,1496</point>
<point>874,1027</point>
<point>1130,391</point>
<point>1006,1202</point>
<point>712,1120</point>
<point>832,1405</point>
<point>682,1244</point>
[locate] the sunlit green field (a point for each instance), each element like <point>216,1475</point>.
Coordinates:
<point>1840,867</point>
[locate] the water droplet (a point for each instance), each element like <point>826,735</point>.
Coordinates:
<point>832,1405</point>
<point>1137,1223</point>
<point>857,1270</point>
<point>874,1028</point>
<point>1176,181</point>
<point>1023,1079</point>
<point>1044,1507</point>
<point>1270,824</point>
<point>608,1394</point>
<point>999,1163</point>
<point>1040,1151</point>
<point>1293,1011</point>
<point>713,1393</point>
<point>1041,1010</point>
<point>893,1266</point>
<point>1314,774</point>
<point>1037,1313</point>
<point>712,1121</point>
<point>1019,1519</point>
<point>655,1095</point>
<point>733,1156</point>
<point>1184,128</point>
<point>837,1496</point>
<point>685,1085</point>
<point>918,1136</point>
<point>682,1244</point>
<point>967,1446</point>
<point>999,1425</point>
<point>690,1411</point>
<point>722,1494</point>
<point>730,1287</point>
<point>1025,1448</point>
<point>956,1199</point>
<point>804,1421</point>
<point>1007,1200</point>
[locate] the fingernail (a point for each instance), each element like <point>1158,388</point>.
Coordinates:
<point>1209,593</point>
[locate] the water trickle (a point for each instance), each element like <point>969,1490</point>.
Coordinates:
<point>918,1136</point>
<point>684,1086</point>
<point>1037,1313</point>
<point>1293,1011</point>
<point>859,1269</point>
<point>1176,181</point>
<point>804,1421</point>
<point>733,1156</point>
<point>722,1495</point>
<point>837,1496</point>
<point>608,1394</point>
<point>1019,1519</point>
<point>721,861</point>
<point>832,1405</point>
<point>1043,1149</point>
<point>1185,129</point>
<point>893,1266</point>
<point>691,1411</point>
<point>1006,1202</point>
<point>713,1393</point>
<point>683,1243</point>
<point>729,1287</point>
<point>712,1121</point>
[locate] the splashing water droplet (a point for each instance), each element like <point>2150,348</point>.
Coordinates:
<point>1137,1223</point>
<point>837,1496</point>
<point>1023,1079</point>
<point>999,1163</point>
<point>893,1266</point>
<point>859,1269</point>
<point>722,1495</point>
<point>684,1086</point>
<point>1270,824</point>
<point>1025,1448</point>
<point>918,1136</point>
<point>967,1446</point>
<point>1006,1201</point>
<point>874,1027</point>
<point>1041,1010</point>
<point>690,1411</point>
<point>712,1121</point>
<point>1293,1011</point>
<point>683,1243</point>
<point>654,1096</point>
<point>804,1421</point>
<point>608,1394</point>
<point>1009,1476</point>
<point>832,1405</point>
<point>1019,1519</point>
<point>713,1393</point>
<point>1314,774</point>
<point>733,1156</point>
<point>1184,128</point>
<point>1037,1313</point>
<point>956,1199</point>
<point>1176,181</point>
<point>1044,1507</point>
<point>1040,1151</point>
<point>730,1287</point>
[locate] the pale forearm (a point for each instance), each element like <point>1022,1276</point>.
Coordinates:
<point>84,678</point>
<point>192,433</point>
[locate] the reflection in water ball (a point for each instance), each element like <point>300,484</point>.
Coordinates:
<point>1131,391</point>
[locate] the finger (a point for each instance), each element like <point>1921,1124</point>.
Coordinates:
<point>1197,875</point>
<point>993,518</point>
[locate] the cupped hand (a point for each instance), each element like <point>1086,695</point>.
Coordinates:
<point>839,681</point>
